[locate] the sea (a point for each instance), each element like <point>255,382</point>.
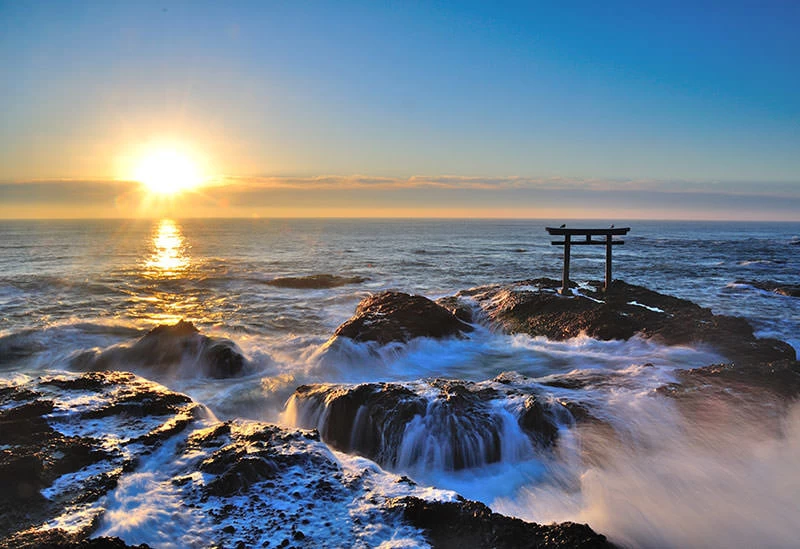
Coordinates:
<point>666,479</point>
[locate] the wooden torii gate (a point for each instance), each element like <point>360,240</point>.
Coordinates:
<point>608,242</point>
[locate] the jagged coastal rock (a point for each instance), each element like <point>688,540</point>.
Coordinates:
<point>66,441</point>
<point>178,348</point>
<point>69,443</point>
<point>399,317</point>
<point>780,379</point>
<point>439,424</point>
<point>457,525</point>
<point>534,307</point>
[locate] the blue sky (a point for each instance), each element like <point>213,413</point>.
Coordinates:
<point>677,94</point>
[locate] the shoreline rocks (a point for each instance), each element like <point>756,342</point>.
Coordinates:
<point>74,440</point>
<point>535,307</point>
<point>67,440</point>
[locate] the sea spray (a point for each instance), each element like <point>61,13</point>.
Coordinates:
<point>671,480</point>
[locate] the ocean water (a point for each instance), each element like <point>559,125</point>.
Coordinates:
<point>667,479</point>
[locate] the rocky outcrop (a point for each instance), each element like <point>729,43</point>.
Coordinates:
<point>367,419</point>
<point>780,379</point>
<point>72,438</point>
<point>179,348</point>
<point>315,282</point>
<point>789,290</point>
<point>534,307</point>
<point>460,524</point>
<point>398,317</point>
<point>439,424</point>
<point>245,454</point>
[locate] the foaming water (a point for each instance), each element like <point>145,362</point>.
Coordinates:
<point>147,507</point>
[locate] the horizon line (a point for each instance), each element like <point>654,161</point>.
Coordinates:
<point>399,218</point>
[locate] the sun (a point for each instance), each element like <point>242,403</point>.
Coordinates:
<point>168,171</point>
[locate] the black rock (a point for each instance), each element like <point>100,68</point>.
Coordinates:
<point>165,348</point>
<point>460,524</point>
<point>237,464</point>
<point>397,317</point>
<point>625,310</point>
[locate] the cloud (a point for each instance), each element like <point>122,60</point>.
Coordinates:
<point>66,191</point>
<point>416,196</point>
<point>458,182</point>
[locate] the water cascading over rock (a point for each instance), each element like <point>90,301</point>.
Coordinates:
<point>441,424</point>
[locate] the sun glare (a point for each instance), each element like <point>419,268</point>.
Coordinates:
<point>168,171</point>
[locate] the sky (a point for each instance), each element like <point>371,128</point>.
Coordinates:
<point>666,110</point>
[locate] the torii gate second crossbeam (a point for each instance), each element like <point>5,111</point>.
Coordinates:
<point>608,242</point>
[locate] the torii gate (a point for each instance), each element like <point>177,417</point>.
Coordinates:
<point>608,242</point>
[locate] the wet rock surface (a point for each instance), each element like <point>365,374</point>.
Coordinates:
<point>315,282</point>
<point>168,348</point>
<point>310,470</point>
<point>245,454</point>
<point>64,447</point>
<point>534,307</point>
<point>463,524</point>
<point>398,317</point>
<point>65,542</point>
<point>374,432</point>
<point>441,424</point>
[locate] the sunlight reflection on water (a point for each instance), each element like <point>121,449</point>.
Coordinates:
<point>169,257</point>
<point>166,299</point>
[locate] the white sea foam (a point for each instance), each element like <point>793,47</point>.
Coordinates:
<point>147,507</point>
<point>648,307</point>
